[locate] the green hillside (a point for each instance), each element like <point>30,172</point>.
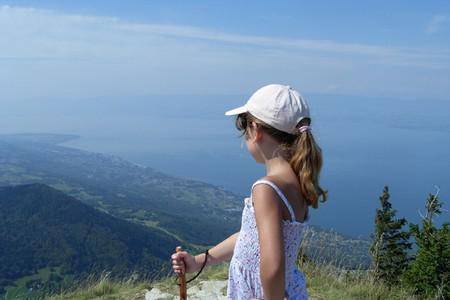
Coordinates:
<point>53,239</point>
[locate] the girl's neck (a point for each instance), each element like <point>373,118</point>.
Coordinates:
<point>275,157</point>
<point>276,165</point>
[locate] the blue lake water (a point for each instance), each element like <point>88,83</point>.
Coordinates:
<point>367,143</point>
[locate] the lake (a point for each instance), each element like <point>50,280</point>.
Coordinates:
<point>367,143</point>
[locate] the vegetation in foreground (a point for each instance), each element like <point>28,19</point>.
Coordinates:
<point>324,282</point>
<point>427,270</point>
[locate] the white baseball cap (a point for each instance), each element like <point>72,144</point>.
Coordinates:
<point>277,105</point>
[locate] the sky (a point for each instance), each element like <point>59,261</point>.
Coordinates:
<point>87,49</point>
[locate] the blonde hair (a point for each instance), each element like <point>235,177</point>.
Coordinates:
<point>305,155</point>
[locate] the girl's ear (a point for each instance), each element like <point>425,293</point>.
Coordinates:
<point>256,131</point>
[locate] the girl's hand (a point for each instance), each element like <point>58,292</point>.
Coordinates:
<point>183,262</point>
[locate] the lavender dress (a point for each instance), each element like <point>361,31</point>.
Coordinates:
<point>244,280</point>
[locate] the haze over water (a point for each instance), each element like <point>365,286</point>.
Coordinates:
<point>367,143</point>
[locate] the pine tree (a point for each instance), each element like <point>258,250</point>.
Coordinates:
<point>429,273</point>
<point>389,247</point>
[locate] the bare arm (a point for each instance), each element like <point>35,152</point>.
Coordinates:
<point>268,221</point>
<point>219,253</point>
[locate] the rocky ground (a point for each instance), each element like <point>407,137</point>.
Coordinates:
<point>212,289</point>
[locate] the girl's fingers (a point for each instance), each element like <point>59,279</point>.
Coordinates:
<point>178,268</point>
<point>177,263</point>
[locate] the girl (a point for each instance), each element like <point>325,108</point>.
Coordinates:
<point>275,122</point>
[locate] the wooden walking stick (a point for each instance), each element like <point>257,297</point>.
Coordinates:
<point>182,279</point>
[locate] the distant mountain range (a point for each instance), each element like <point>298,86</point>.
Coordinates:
<point>192,211</point>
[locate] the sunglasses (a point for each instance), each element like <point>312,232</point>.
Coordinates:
<point>241,122</point>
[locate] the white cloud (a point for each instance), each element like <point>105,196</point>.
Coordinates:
<point>45,23</point>
<point>49,53</point>
<point>436,23</point>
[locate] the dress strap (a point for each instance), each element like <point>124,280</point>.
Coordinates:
<point>280,193</point>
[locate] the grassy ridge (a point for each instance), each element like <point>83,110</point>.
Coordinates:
<point>325,280</point>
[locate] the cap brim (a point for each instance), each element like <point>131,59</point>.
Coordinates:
<point>236,111</point>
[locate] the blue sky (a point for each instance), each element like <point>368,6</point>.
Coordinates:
<point>393,22</point>
<point>102,48</point>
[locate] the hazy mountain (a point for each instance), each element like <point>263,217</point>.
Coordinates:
<point>189,210</point>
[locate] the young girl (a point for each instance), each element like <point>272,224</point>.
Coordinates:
<point>275,122</point>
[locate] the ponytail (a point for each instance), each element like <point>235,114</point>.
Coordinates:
<point>306,161</point>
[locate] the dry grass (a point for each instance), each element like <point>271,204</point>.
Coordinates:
<point>325,280</point>
<point>105,288</point>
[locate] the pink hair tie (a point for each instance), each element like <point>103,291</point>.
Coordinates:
<point>303,128</point>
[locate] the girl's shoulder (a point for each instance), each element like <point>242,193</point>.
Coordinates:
<point>279,183</point>
<point>269,181</point>
<point>288,192</point>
